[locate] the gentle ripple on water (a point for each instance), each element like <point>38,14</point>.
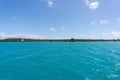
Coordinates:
<point>60,61</point>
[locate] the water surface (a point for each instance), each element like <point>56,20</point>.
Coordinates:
<point>60,61</point>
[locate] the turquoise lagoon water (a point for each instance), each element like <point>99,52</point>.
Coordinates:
<point>60,61</point>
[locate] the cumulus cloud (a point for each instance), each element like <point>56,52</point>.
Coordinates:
<point>92,5</point>
<point>50,3</point>
<point>27,36</point>
<point>104,21</point>
<point>52,29</point>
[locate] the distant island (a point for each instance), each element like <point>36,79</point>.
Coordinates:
<point>57,40</point>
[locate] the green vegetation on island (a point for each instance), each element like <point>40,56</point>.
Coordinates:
<point>56,40</point>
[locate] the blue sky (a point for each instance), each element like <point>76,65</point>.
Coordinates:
<point>60,19</point>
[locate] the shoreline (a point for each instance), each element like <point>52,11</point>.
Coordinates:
<point>58,40</point>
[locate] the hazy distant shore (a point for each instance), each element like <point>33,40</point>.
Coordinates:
<point>58,40</point>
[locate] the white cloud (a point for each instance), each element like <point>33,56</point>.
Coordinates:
<point>104,21</point>
<point>112,34</point>
<point>115,33</point>
<point>62,28</point>
<point>50,3</point>
<point>92,5</point>
<point>100,22</point>
<point>27,36</point>
<point>105,34</point>
<point>52,29</point>
<point>2,35</point>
